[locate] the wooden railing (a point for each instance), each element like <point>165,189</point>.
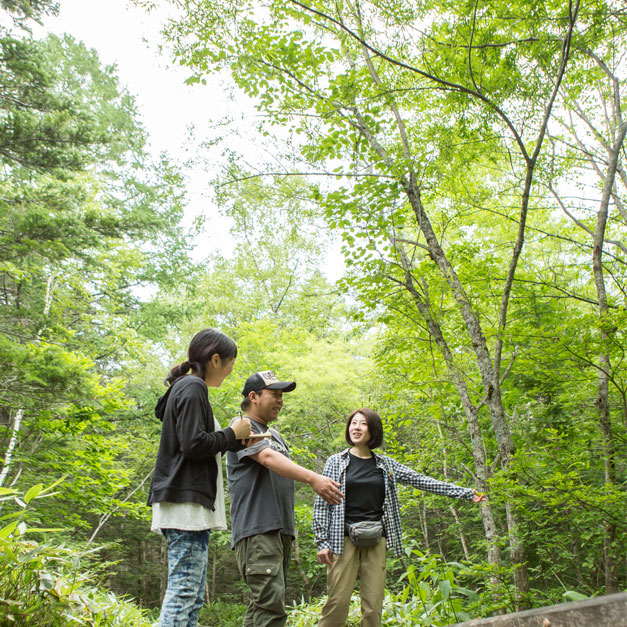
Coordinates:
<point>604,611</point>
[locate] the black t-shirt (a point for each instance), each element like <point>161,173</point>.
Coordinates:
<point>365,490</point>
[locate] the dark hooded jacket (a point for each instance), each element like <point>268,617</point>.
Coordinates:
<point>186,469</point>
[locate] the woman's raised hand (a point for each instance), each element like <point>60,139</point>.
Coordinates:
<point>479,497</point>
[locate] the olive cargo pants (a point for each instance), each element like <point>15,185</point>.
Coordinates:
<point>263,561</point>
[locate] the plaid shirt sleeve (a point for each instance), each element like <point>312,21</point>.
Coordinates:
<point>328,520</point>
<point>404,474</point>
<point>395,472</point>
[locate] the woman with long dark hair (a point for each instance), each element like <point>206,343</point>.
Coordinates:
<point>353,535</point>
<point>187,494</point>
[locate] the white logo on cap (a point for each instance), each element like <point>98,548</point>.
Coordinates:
<point>268,377</point>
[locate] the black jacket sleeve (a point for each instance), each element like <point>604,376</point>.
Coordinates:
<point>195,426</point>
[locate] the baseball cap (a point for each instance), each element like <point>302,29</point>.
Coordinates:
<point>266,380</point>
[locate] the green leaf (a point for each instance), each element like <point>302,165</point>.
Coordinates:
<point>33,492</point>
<point>572,595</point>
<point>445,589</point>
<point>6,531</point>
<point>46,581</point>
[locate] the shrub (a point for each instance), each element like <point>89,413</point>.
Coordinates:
<point>222,613</point>
<point>430,597</point>
<point>40,582</point>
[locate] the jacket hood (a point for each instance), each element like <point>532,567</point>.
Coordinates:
<point>161,403</point>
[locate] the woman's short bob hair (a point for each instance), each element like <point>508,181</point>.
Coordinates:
<point>375,427</point>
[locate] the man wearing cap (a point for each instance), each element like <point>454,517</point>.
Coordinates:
<point>261,483</point>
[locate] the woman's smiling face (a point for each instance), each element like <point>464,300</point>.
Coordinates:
<point>358,430</point>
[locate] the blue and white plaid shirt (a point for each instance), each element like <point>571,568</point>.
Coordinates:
<point>328,520</point>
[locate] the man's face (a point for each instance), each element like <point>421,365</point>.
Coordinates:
<point>267,404</point>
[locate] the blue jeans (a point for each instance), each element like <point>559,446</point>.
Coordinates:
<point>187,572</point>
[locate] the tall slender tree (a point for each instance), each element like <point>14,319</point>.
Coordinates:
<point>436,115</point>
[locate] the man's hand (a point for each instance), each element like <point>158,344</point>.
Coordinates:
<point>326,488</point>
<point>324,556</point>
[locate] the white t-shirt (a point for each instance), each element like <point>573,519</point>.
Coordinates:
<point>192,516</point>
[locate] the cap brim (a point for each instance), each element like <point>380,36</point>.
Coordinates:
<point>285,386</point>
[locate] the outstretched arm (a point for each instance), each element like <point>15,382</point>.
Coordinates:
<point>408,476</point>
<point>323,486</point>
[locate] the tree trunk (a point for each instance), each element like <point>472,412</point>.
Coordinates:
<point>211,594</point>
<point>474,430</point>
<point>617,131</point>
<point>489,371</point>
<point>19,414</point>
<point>603,400</point>
<point>425,526</point>
<point>453,511</point>
<point>462,538</point>
<point>8,455</point>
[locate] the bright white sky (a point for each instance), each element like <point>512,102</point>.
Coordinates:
<point>128,38</point>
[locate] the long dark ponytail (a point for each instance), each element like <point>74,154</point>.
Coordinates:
<point>203,346</point>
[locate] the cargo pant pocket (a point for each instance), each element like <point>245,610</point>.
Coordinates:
<point>268,569</point>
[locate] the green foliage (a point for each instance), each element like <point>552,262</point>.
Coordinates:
<point>23,10</point>
<point>306,614</point>
<point>430,596</point>
<point>43,583</point>
<point>426,122</point>
<point>50,121</point>
<point>85,217</point>
<point>222,613</point>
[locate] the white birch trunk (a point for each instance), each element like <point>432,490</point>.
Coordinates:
<point>8,455</point>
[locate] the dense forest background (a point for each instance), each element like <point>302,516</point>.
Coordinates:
<point>471,160</point>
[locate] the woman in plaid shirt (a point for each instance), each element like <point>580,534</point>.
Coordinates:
<point>368,481</point>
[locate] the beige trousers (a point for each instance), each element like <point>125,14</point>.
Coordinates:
<point>341,578</point>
